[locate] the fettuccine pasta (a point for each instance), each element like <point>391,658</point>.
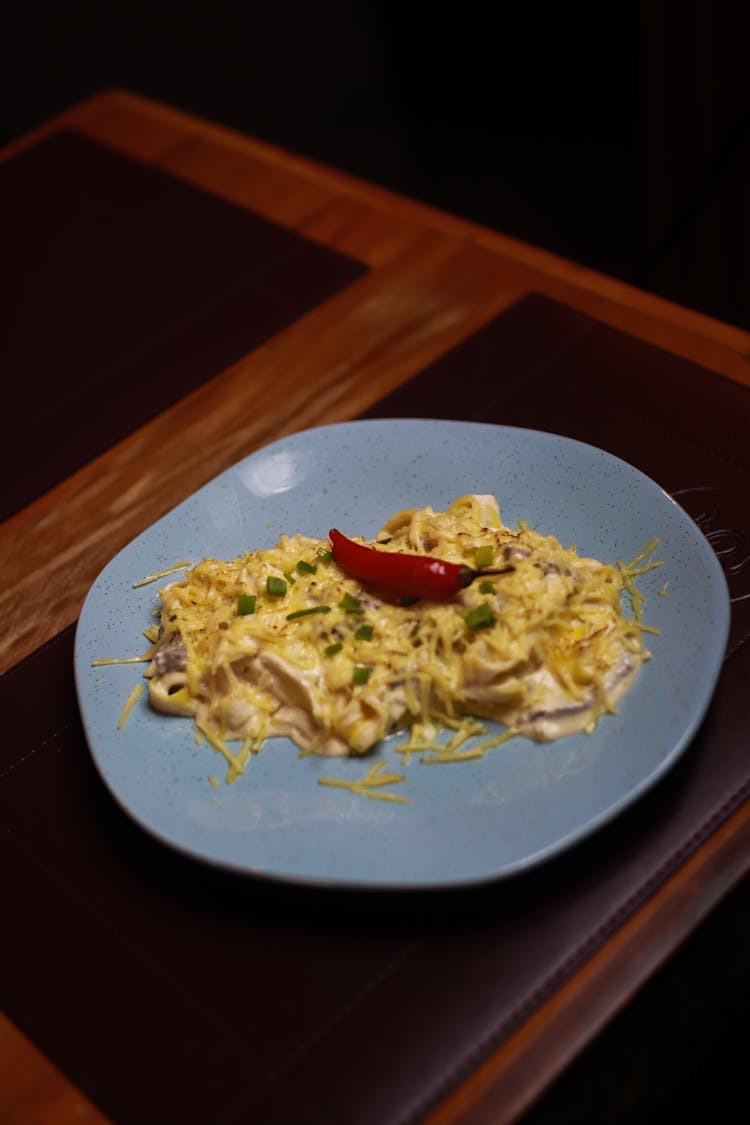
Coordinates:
<point>282,641</point>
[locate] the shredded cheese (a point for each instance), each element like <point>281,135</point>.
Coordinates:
<point>130,703</point>
<point>370,785</point>
<point>161,574</point>
<point>272,642</point>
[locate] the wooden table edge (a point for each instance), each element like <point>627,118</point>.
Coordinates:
<point>582,277</point>
<point>512,1076</point>
<point>509,1079</point>
<point>538,258</point>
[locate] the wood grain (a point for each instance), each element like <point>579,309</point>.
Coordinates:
<point>510,1080</point>
<point>434,279</point>
<point>33,1090</point>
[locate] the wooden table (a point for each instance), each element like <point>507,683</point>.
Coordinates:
<point>433,280</point>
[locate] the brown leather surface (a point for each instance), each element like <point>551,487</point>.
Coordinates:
<point>86,354</point>
<point>169,991</point>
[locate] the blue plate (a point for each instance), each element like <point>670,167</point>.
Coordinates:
<point>466,822</point>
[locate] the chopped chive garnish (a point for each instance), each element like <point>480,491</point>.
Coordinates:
<point>324,554</point>
<point>364,633</point>
<point>414,629</point>
<point>350,604</point>
<point>331,650</point>
<point>384,541</point>
<point>290,578</point>
<point>245,604</point>
<point>361,673</point>
<point>480,618</point>
<point>483,556</point>
<point>306,567</point>
<point>307,612</point>
<point>275,587</point>
<point>486,588</point>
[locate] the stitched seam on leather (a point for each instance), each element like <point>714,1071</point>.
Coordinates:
<point>119,936</point>
<point>526,1006</point>
<point>243,1103</point>
<point>736,648</point>
<point>35,750</point>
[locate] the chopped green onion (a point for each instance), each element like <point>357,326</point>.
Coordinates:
<point>290,578</point>
<point>361,673</point>
<point>414,629</point>
<point>486,588</point>
<point>331,650</point>
<point>364,633</point>
<point>350,604</point>
<point>483,556</point>
<point>324,554</point>
<point>307,612</point>
<point>480,618</point>
<point>306,567</point>
<point>384,541</point>
<point>245,604</point>
<point>275,587</point>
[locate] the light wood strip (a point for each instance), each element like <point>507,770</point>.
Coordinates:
<point>32,1090</point>
<point>512,1078</point>
<point>116,116</point>
<point>435,278</point>
<point>327,367</point>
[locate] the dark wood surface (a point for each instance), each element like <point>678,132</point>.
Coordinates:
<point>431,282</point>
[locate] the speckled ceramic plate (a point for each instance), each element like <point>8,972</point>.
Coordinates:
<point>463,823</point>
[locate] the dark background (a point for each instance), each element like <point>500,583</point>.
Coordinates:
<point>617,135</point>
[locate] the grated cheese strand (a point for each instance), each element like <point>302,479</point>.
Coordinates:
<point>130,703</point>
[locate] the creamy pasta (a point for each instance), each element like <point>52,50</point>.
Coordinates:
<point>282,641</point>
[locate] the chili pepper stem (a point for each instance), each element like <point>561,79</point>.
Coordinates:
<point>468,575</point>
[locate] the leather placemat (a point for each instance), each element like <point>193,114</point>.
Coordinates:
<point>127,288</point>
<point>169,991</point>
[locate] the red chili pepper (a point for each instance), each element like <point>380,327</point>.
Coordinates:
<point>410,576</point>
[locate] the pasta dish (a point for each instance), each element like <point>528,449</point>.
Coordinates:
<point>293,640</point>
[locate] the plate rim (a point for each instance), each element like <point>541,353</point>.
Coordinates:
<point>540,856</point>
